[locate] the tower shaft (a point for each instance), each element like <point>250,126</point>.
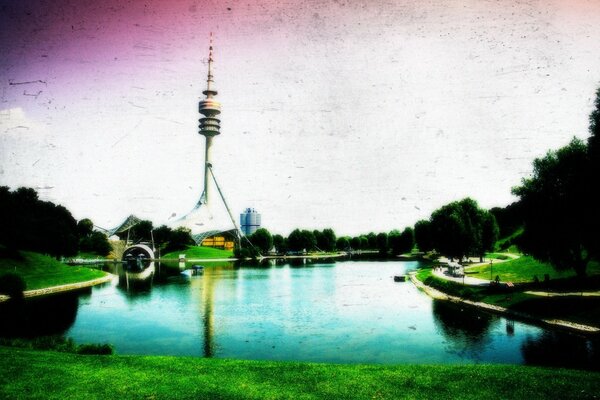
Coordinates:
<point>210,124</point>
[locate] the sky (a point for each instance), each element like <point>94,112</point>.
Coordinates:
<point>356,115</point>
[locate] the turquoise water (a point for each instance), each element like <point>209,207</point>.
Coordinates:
<point>343,312</point>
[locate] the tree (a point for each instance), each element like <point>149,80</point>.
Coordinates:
<point>85,227</point>
<point>29,223</point>
<point>382,243</point>
<point>424,235</point>
<point>557,224</point>
<point>180,239</point>
<point>162,236</point>
<point>309,240</point>
<point>280,243</point>
<point>372,240</point>
<point>342,243</point>
<point>355,243</point>
<point>489,233</point>
<point>262,239</point>
<point>394,242</point>
<point>328,240</point>
<point>407,240</point>
<point>457,228</point>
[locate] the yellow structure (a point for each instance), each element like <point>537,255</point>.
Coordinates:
<point>218,242</point>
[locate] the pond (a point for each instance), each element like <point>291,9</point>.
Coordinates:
<point>342,312</point>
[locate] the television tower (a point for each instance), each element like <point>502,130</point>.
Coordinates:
<point>210,124</point>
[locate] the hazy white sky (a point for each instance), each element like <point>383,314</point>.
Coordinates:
<point>356,115</point>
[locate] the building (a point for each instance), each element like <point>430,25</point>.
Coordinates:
<point>249,221</point>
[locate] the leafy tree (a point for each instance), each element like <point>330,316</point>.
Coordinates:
<point>180,239</point>
<point>327,240</point>
<point>382,243</point>
<point>424,235</point>
<point>407,240</point>
<point>85,227</point>
<point>32,224</point>
<point>342,243</point>
<point>457,228</point>
<point>309,240</point>
<point>372,241</point>
<point>558,228</point>
<point>509,218</point>
<point>489,233</point>
<point>355,243</point>
<point>295,241</point>
<point>394,242</point>
<point>365,243</point>
<point>401,242</point>
<point>162,236</point>
<point>262,239</point>
<point>280,243</point>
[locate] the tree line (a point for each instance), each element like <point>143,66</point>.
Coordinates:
<point>29,223</point>
<point>303,240</point>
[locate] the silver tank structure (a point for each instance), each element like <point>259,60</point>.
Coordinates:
<point>250,221</point>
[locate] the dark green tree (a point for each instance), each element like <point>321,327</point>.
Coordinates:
<point>372,241</point>
<point>355,243</point>
<point>557,224</point>
<point>394,242</point>
<point>262,240</point>
<point>280,243</point>
<point>424,235</point>
<point>342,243</point>
<point>407,240</point>
<point>328,240</point>
<point>85,227</point>
<point>180,239</point>
<point>382,243</point>
<point>489,233</point>
<point>295,241</point>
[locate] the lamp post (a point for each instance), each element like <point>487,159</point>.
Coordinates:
<point>491,266</point>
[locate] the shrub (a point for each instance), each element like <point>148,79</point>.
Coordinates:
<point>12,285</point>
<point>97,349</point>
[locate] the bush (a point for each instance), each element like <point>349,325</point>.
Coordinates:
<point>12,285</point>
<point>97,349</point>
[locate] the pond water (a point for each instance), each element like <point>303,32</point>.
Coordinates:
<point>343,312</point>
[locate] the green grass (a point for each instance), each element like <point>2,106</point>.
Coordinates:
<point>523,269</point>
<point>40,271</point>
<point>28,374</point>
<point>200,252</point>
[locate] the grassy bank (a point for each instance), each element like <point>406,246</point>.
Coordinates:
<point>40,271</point>
<point>574,308</point>
<point>199,252</point>
<point>523,269</point>
<point>50,375</point>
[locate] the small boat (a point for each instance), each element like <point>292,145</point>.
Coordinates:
<point>400,278</point>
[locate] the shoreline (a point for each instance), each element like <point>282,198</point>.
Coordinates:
<point>62,288</point>
<point>554,323</point>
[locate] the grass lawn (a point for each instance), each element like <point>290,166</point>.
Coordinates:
<point>40,271</point>
<point>200,252</point>
<point>523,269</point>
<point>29,374</point>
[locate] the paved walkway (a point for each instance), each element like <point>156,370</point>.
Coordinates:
<point>442,272</point>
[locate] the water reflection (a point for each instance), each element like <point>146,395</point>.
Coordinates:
<point>51,315</point>
<point>466,329</point>
<point>558,350</point>
<point>346,312</point>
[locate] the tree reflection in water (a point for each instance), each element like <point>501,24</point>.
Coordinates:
<point>50,315</point>
<point>558,349</point>
<point>465,329</point>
